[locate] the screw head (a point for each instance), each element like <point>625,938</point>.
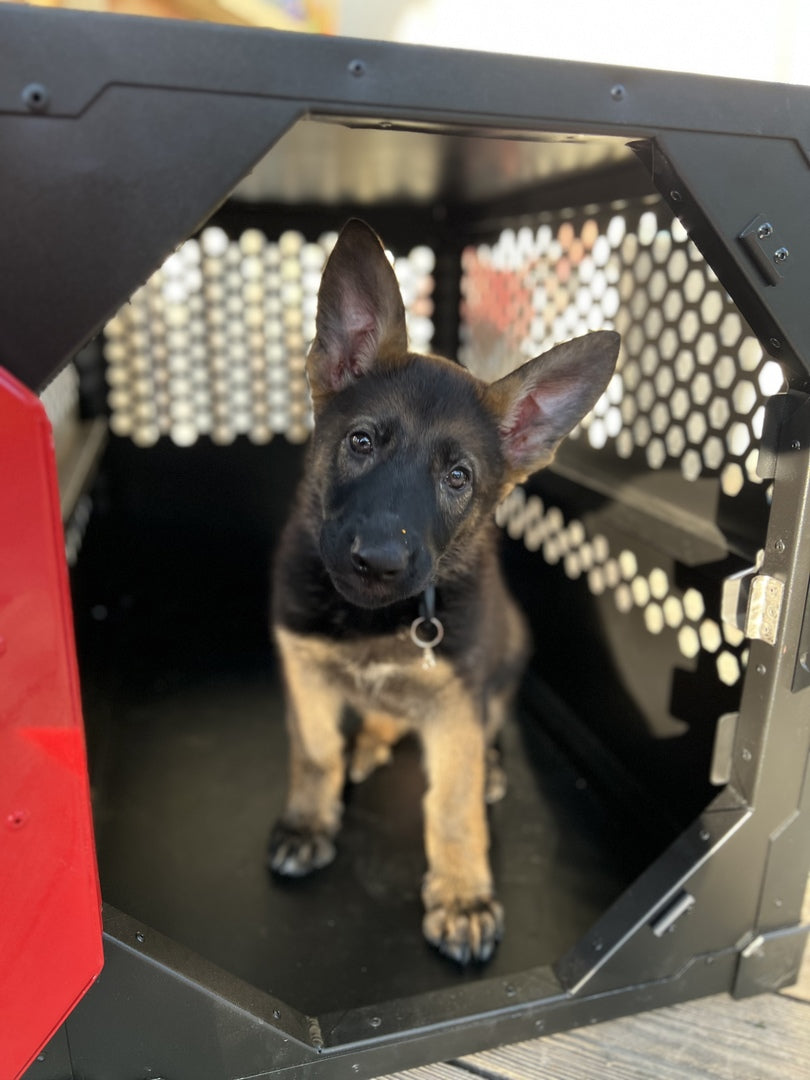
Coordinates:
<point>765,230</point>
<point>618,92</point>
<point>35,97</point>
<point>781,254</point>
<point>357,68</point>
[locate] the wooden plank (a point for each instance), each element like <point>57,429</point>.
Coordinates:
<point>444,1071</point>
<point>762,1038</point>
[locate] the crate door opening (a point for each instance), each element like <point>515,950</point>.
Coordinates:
<point>608,755</point>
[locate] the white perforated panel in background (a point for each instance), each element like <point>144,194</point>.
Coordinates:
<point>692,380</point>
<point>214,343</point>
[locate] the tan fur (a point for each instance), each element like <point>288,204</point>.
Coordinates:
<point>317,773</point>
<point>321,677</point>
<point>378,733</point>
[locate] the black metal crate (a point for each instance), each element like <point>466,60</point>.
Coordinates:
<point>653,844</point>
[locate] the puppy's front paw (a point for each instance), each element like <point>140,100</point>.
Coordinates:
<point>465,931</point>
<point>295,852</point>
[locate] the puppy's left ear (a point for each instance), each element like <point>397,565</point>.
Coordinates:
<point>539,403</point>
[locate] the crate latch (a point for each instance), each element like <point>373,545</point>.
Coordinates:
<point>752,603</point>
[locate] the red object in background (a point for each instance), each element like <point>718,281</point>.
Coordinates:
<point>50,919</point>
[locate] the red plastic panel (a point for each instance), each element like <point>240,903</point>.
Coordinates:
<point>50,919</point>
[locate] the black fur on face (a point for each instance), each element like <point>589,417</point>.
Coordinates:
<point>409,467</point>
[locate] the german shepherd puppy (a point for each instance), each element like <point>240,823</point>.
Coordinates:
<point>388,595</point>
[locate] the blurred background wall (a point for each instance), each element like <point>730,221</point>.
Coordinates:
<point>744,38</point>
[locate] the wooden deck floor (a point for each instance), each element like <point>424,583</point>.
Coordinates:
<point>716,1038</point>
<point>763,1038</point>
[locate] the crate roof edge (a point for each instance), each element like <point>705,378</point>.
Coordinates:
<point>122,136</point>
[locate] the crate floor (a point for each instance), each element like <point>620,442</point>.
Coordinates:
<point>188,762</point>
<point>195,777</point>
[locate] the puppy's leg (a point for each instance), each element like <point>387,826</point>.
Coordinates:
<point>462,918</point>
<point>303,839</point>
<point>515,643</point>
<point>498,708</point>
<point>372,746</point>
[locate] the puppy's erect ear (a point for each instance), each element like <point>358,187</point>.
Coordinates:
<point>539,403</point>
<point>361,317</point>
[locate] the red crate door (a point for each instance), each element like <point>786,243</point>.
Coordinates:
<point>50,922</point>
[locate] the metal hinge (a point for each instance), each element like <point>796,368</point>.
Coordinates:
<point>767,249</point>
<point>752,603</point>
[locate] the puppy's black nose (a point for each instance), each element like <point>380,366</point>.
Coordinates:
<point>385,558</point>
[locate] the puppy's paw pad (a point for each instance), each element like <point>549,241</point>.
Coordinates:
<point>465,932</point>
<point>294,852</point>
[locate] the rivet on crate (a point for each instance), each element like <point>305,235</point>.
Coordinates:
<point>35,97</point>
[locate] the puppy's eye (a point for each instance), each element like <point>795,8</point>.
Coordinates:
<point>361,442</point>
<point>458,478</point>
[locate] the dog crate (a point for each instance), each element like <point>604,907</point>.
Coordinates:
<point>171,192</point>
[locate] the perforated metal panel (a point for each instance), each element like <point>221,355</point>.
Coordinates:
<point>215,342</point>
<point>688,396</point>
<point>692,379</point>
<point>665,607</point>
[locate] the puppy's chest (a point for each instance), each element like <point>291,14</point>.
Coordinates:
<point>388,674</point>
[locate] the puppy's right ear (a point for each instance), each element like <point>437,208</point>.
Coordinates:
<point>361,317</point>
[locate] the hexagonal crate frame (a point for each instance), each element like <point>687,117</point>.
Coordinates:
<point>142,101</point>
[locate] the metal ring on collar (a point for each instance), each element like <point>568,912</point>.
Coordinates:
<point>438,631</point>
